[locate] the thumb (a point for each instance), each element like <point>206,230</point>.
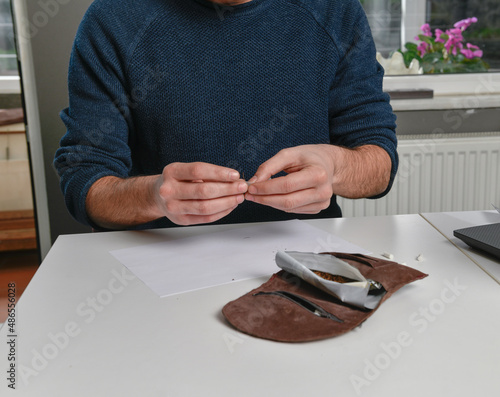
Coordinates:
<point>282,161</point>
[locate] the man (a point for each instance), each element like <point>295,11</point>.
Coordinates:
<point>173,103</point>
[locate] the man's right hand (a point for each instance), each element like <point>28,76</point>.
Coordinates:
<point>195,193</point>
<point>186,193</point>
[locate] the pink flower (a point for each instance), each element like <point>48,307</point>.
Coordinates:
<point>426,29</point>
<point>458,47</point>
<point>456,34</point>
<point>453,48</point>
<point>439,33</point>
<point>465,23</point>
<point>454,42</point>
<point>422,48</point>
<point>472,51</point>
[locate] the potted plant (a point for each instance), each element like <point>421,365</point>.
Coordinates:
<point>445,52</point>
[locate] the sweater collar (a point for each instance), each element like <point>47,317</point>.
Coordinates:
<point>222,11</point>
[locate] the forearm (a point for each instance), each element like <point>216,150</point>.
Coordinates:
<point>361,172</point>
<point>115,203</point>
<point>185,193</point>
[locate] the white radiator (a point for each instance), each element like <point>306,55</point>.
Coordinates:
<point>443,174</point>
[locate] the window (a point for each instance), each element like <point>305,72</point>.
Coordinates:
<point>396,22</point>
<point>384,17</point>
<point>8,58</point>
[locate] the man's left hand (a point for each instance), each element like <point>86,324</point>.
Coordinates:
<point>315,173</point>
<point>306,189</point>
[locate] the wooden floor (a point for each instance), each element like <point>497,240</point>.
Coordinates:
<point>17,231</point>
<point>18,254</point>
<point>15,267</point>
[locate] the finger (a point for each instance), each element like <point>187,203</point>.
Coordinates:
<point>286,202</point>
<point>201,171</point>
<point>290,204</point>
<point>201,219</point>
<point>209,190</point>
<point>303,179</point>
<point>283,160</point>
<point>204,207</point>
<point>313,208</point>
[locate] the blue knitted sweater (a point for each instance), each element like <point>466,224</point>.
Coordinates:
<point>158,81</point>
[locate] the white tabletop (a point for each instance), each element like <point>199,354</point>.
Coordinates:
<point>437,336</point>
<point>447,222</point>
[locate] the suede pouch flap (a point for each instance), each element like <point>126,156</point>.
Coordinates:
<point>288,309</point>
<point>334,276</point>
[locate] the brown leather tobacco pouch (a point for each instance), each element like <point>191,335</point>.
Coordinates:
<point>288,309</point>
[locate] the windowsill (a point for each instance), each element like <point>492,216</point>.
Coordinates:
<point>10,85</point>
<point>451,91</point>
<point>447,102</point>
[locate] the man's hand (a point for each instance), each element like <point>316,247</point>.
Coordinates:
<point>306,189</point>
<point>193,193</point>
<point>186,193</point>
<point>315,173</point>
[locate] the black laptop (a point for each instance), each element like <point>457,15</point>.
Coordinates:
<point>485,238</point>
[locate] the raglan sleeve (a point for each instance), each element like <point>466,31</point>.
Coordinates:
<point>97,119</point>
<point>359,111</point>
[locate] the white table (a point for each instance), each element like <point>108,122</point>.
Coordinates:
<point>437,336</point>
<point>447,222</point>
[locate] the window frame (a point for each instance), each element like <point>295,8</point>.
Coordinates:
<point>413,14</point>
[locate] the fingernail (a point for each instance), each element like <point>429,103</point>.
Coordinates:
<point>234,175</point>
<point>253,179</point>
<point>240,199</point>
<point>252,189</point>
<point>242,187</point>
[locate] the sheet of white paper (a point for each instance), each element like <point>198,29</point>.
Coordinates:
<point>197,262</point>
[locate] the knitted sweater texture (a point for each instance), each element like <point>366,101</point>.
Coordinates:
<point>153,82</point>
